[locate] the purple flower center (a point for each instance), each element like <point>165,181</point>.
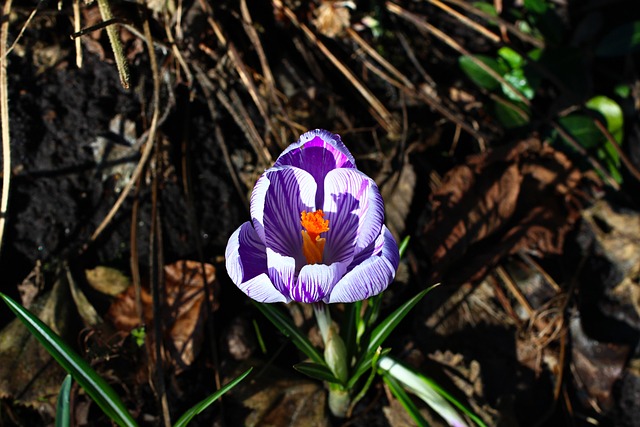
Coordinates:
<point>312,244</point>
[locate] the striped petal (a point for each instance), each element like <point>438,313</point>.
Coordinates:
<point>355,211</point>
<point>371,276</point>
<point>246,262</point>
<point>278,198</point>
<point>317,152</point>
<point>316,281</point>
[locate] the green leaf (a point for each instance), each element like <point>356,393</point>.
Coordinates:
<point>317,371</point>
<point>380,334</point>
<point>622,40</point>
<point>427,390</point>
<point>612,113</point>
<point>478,75</point>
<point>513,58</point>
<point>405,401</point>
<point>382,331</point>
<point>510,117</point>
<point>204,404</point>
<point>404,245</point>
<point>622,90</point>
<point>583,129</point>
<point>286,326</point>
<point>487,8</point>
<point>63,414</point>
<point>519,81</point>
<point>99,390</point>
<point>364,365</point>
<point>536,6</point>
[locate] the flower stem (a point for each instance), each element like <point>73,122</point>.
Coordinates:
<point>335,356</point>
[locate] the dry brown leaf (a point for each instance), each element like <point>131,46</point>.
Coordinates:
<point>521,196</point>
<point>183,311</point>
<point>333,17</point>
<point>28,373</point>
<point>275,399</point>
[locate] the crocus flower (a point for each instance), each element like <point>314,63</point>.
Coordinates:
<point>317,229</point>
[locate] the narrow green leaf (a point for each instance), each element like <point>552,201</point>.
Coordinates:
<point>427,390</point>
<point>349,329</point>
<point>63,414</point>
<point>317,371</point>
<point>478,75</point>
<point>363,366</point>
<point>622,40</point>
<point>382,331</point>
<point>405,400</point>
<point>404,245</point>
<point>204,404</point>
<point>99,390</point>
<point>286,326</point>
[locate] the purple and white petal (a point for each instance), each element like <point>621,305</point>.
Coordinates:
<point>370,277</point>
<point>355,211</point>
<point>315,282</point>
<point>317,152</point>
<point>261,289</point>
<point>282,272</point>
<point>245,255</point>
<point>278,198</point>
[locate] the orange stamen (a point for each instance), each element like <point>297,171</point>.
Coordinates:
<point>312,244</point>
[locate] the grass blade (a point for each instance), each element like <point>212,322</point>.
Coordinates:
<point>63,414</point>
<point>99,390</point>
<point>286,326</point>
<point>317,371</point>
<point>204,404</point>
<point>427,390</point>
<point>405,400</point>
<point>382,331</point>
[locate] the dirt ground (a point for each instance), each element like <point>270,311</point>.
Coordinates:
<point>537,320</point>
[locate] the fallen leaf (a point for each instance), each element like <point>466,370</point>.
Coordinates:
<point>28,373</point>
<point>183,311</point>
<point>520,196</point>
<point>276,399</point>
<point>333,17</point>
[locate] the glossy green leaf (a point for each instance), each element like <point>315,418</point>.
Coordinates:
<point>518,80</point>
<point>405,400</point>
<point>63,413</point>
<point>478,75</point>
<point>286,326</point>
<point>427,390</point>
<point>612,113</point>
<point>317,371</point>
<point>96,387</point>
<point>583,129</point>
<point>205,403</point>
<point>513,58</point>
<point>622,40</point>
